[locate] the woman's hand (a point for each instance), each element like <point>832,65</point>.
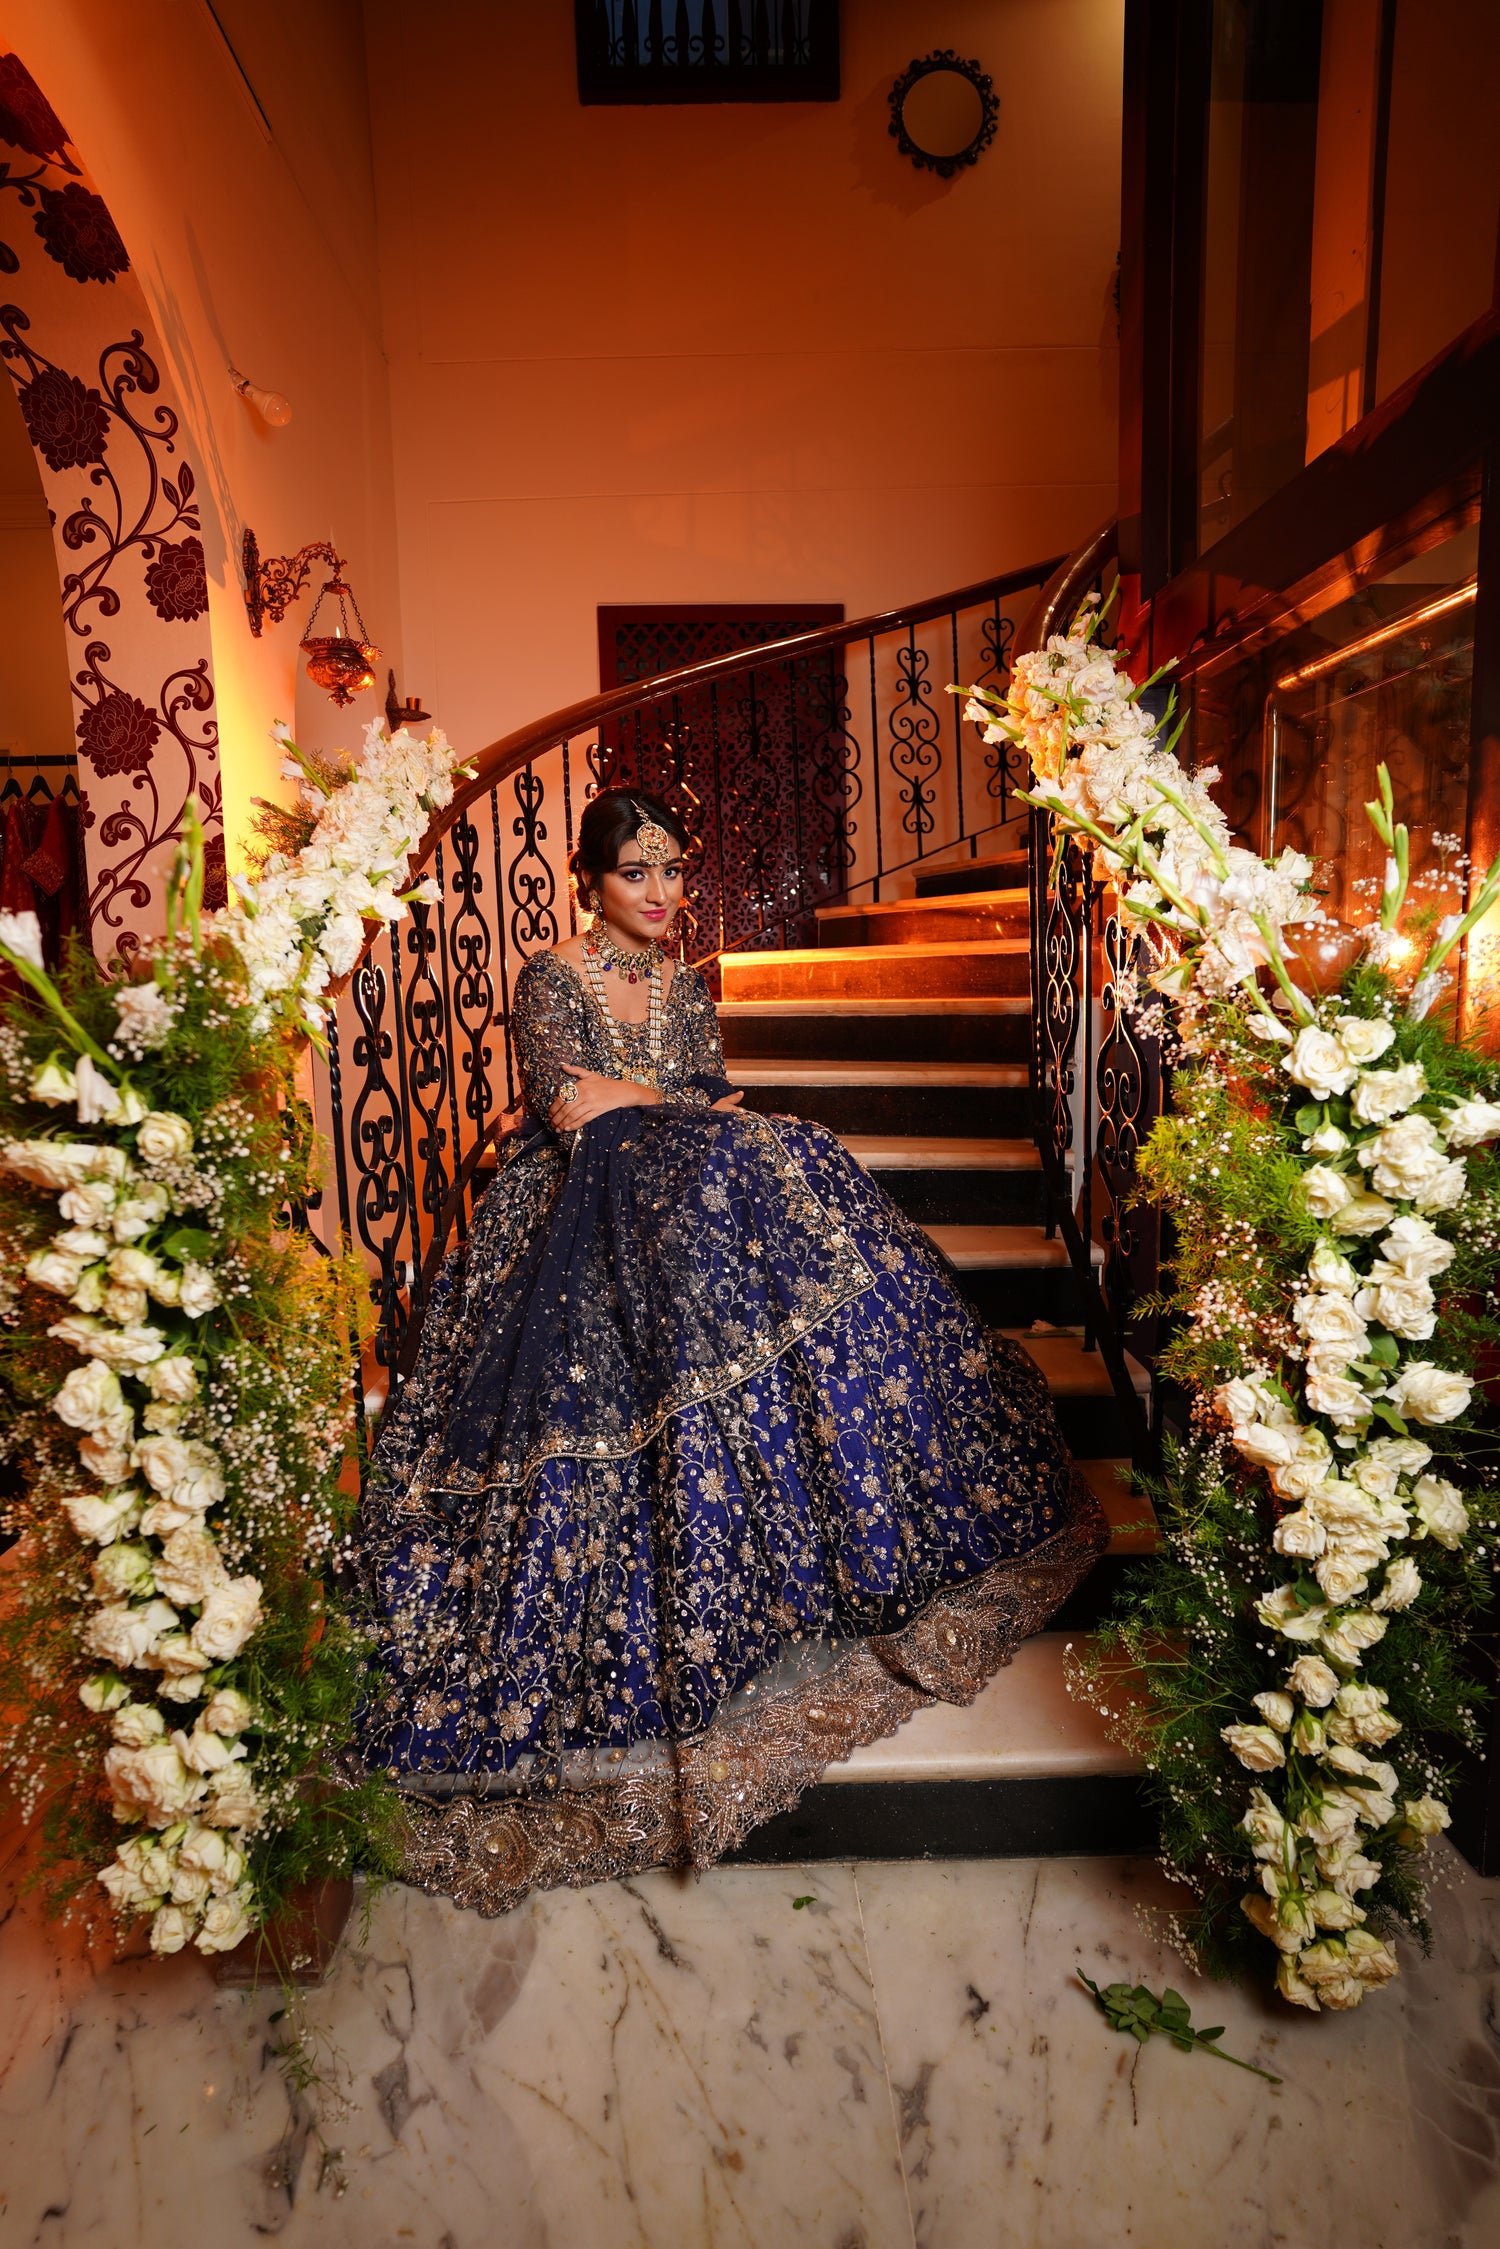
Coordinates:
<point>730,1100</point>
<point>595,1097</point>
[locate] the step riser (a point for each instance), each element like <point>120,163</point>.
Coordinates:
<point>1093,1428</point>
<point>979,874</point>
<point>927,925</point>
<point>1087,1606</point>
<point>947,1112</point>
<point>884,973</point>
<point>966,1198</point>
<point>876,1038</point>
<point>1013,1296</point>
<point>1074,1817</point>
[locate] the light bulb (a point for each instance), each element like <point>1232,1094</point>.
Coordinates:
<point>269,404</point>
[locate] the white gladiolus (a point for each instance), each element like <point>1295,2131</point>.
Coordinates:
<point>21,934</point>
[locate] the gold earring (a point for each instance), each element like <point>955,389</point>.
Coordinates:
<point>596,904</point>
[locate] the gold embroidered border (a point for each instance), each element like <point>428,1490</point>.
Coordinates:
<point>757,1762</point>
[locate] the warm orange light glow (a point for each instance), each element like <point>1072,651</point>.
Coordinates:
<point>1393,629</point>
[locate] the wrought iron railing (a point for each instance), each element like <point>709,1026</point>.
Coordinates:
<point>1097,1082</point>
<point>809,772</point>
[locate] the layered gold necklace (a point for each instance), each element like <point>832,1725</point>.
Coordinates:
<point>600,952</point>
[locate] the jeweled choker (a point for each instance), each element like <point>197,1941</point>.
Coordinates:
<point>634,967</point>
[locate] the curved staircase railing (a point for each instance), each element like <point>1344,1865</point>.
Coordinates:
<point>1097,1081</point>
<point>809,772</point>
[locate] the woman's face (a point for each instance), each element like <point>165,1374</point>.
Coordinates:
<point>640,902</point>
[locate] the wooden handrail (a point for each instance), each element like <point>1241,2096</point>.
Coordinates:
<point>501,759</point>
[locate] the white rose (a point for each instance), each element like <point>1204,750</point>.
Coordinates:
<point>1319,1062</point>
<point>130,1348</point>
<point>228,1712</point>
<point>125,1303</point>
<point>100,1519</point>
<point>1307,1734</point>
<point>1403,1582</point>
<point>139,1212</point>
<point>1300,1536</point>
<point>1428,1393</point>
<point>55,1269</point>
<point>136,1267</point>
<point>173,1380</point>
<point>136,1723</point>
<point>103,1458</point>
<point>1328,1316</point>
<point>53,1083</point>
<point>1445,1189</point>
<point>88,1205</point>
<point>1325,1190</point>
<point>1426,1816</point>
<point>1327,1269</point>
<point>181,1686</point>
<point>226,1921</point>
<point>1277,1709</point>
<point>1311,1678</point>
<point>204,1752</point>
<point>1359,1714</point>
<point>1441,1513</point>
<point>164,1421</point>
<point>189,1886</point>
<point>1284,1612</point>
<point>170,1929</point>
<point>1415,1249</point>
<point>1467,1123</point>
<point>1265,1826</point>
<point>1267,1919</point>
<point>189,1566</point>
<point>127,1636</point>
<point>1382,1094</point>
<point>231,1799</point>
<point>1343,1401</point>
<point>1345,1869</point>
<point>122,1570</point>
<point>105,1691</point>
<point>1291,1985</point>
<point>163,1138</point>
<point>1371,1960</point>
<point>229,1616</point>
<point>209,1852</point>
<point>91,1398</point>
<point>1333,1819</point>
<point>1332,1910</point>
<point>89,1294</point>
<point>177,1658</point>
<point>58,1164</point>
<point>1345,1508</point>
<point>152,1784</point>
<point>1326,1140</point>
<point>1340,1577</point>
<point>188,1474</point>
<point>1403,1157</point>
<point>1264,1445</point>
<point>1259,1747</point>
<point>1364,1038</point>
<point>200,1291</point>
<point>1407,1308</point>
<point>1404,1454</point>
<point>1362,1214</point>
<point>126,1889</point>
<point>1347,1637</point>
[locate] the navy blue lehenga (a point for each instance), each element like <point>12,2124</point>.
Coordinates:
<point>705,1475</point>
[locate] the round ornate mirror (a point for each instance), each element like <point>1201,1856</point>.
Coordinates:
<point>943,112</point>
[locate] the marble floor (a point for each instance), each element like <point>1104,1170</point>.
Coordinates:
<point>841,2057</point>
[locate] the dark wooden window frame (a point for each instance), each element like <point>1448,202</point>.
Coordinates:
<point>667,80</point>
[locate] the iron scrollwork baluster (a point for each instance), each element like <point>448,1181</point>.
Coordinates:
<point>531,882</point>
<point>916,741</point>
<point>428,1057</point>
<point>1128,1084</point>
<point>382,1202</point>
<point>469,948</point>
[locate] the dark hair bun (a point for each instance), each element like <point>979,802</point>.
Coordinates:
<point>610,821</point>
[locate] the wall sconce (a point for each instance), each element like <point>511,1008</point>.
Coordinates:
<point>341,661</point>
<point>399,714</point>
<point>269,404</point>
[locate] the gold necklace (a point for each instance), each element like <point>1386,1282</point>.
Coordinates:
<point>591,963</point>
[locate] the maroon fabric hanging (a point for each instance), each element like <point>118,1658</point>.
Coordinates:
<point>51,867</point>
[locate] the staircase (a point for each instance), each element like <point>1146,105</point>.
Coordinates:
<point>906,1031</point>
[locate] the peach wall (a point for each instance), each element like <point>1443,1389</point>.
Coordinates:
<point>729,353</point>
<point>252,231</point>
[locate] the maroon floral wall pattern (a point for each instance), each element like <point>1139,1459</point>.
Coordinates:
<point>78,343</point>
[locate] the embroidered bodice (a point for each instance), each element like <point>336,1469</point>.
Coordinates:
<point>556,1020</point>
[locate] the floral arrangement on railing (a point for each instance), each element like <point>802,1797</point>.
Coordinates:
<point>1328,1164</point>
<point>177,1671</point>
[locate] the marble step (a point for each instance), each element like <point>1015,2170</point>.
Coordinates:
<point>836,974</point>
<point>963,918</point>
<point>1023,1771</point>
<point>975,1028</point>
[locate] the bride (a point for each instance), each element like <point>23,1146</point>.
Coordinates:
<point>705,1474</point>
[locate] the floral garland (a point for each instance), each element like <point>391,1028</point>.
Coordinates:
<point>1336,1226</point>
<point>183,1509</point>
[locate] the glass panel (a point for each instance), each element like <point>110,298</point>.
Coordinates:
<point>1382,679</point>
<point>1260,162</point>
